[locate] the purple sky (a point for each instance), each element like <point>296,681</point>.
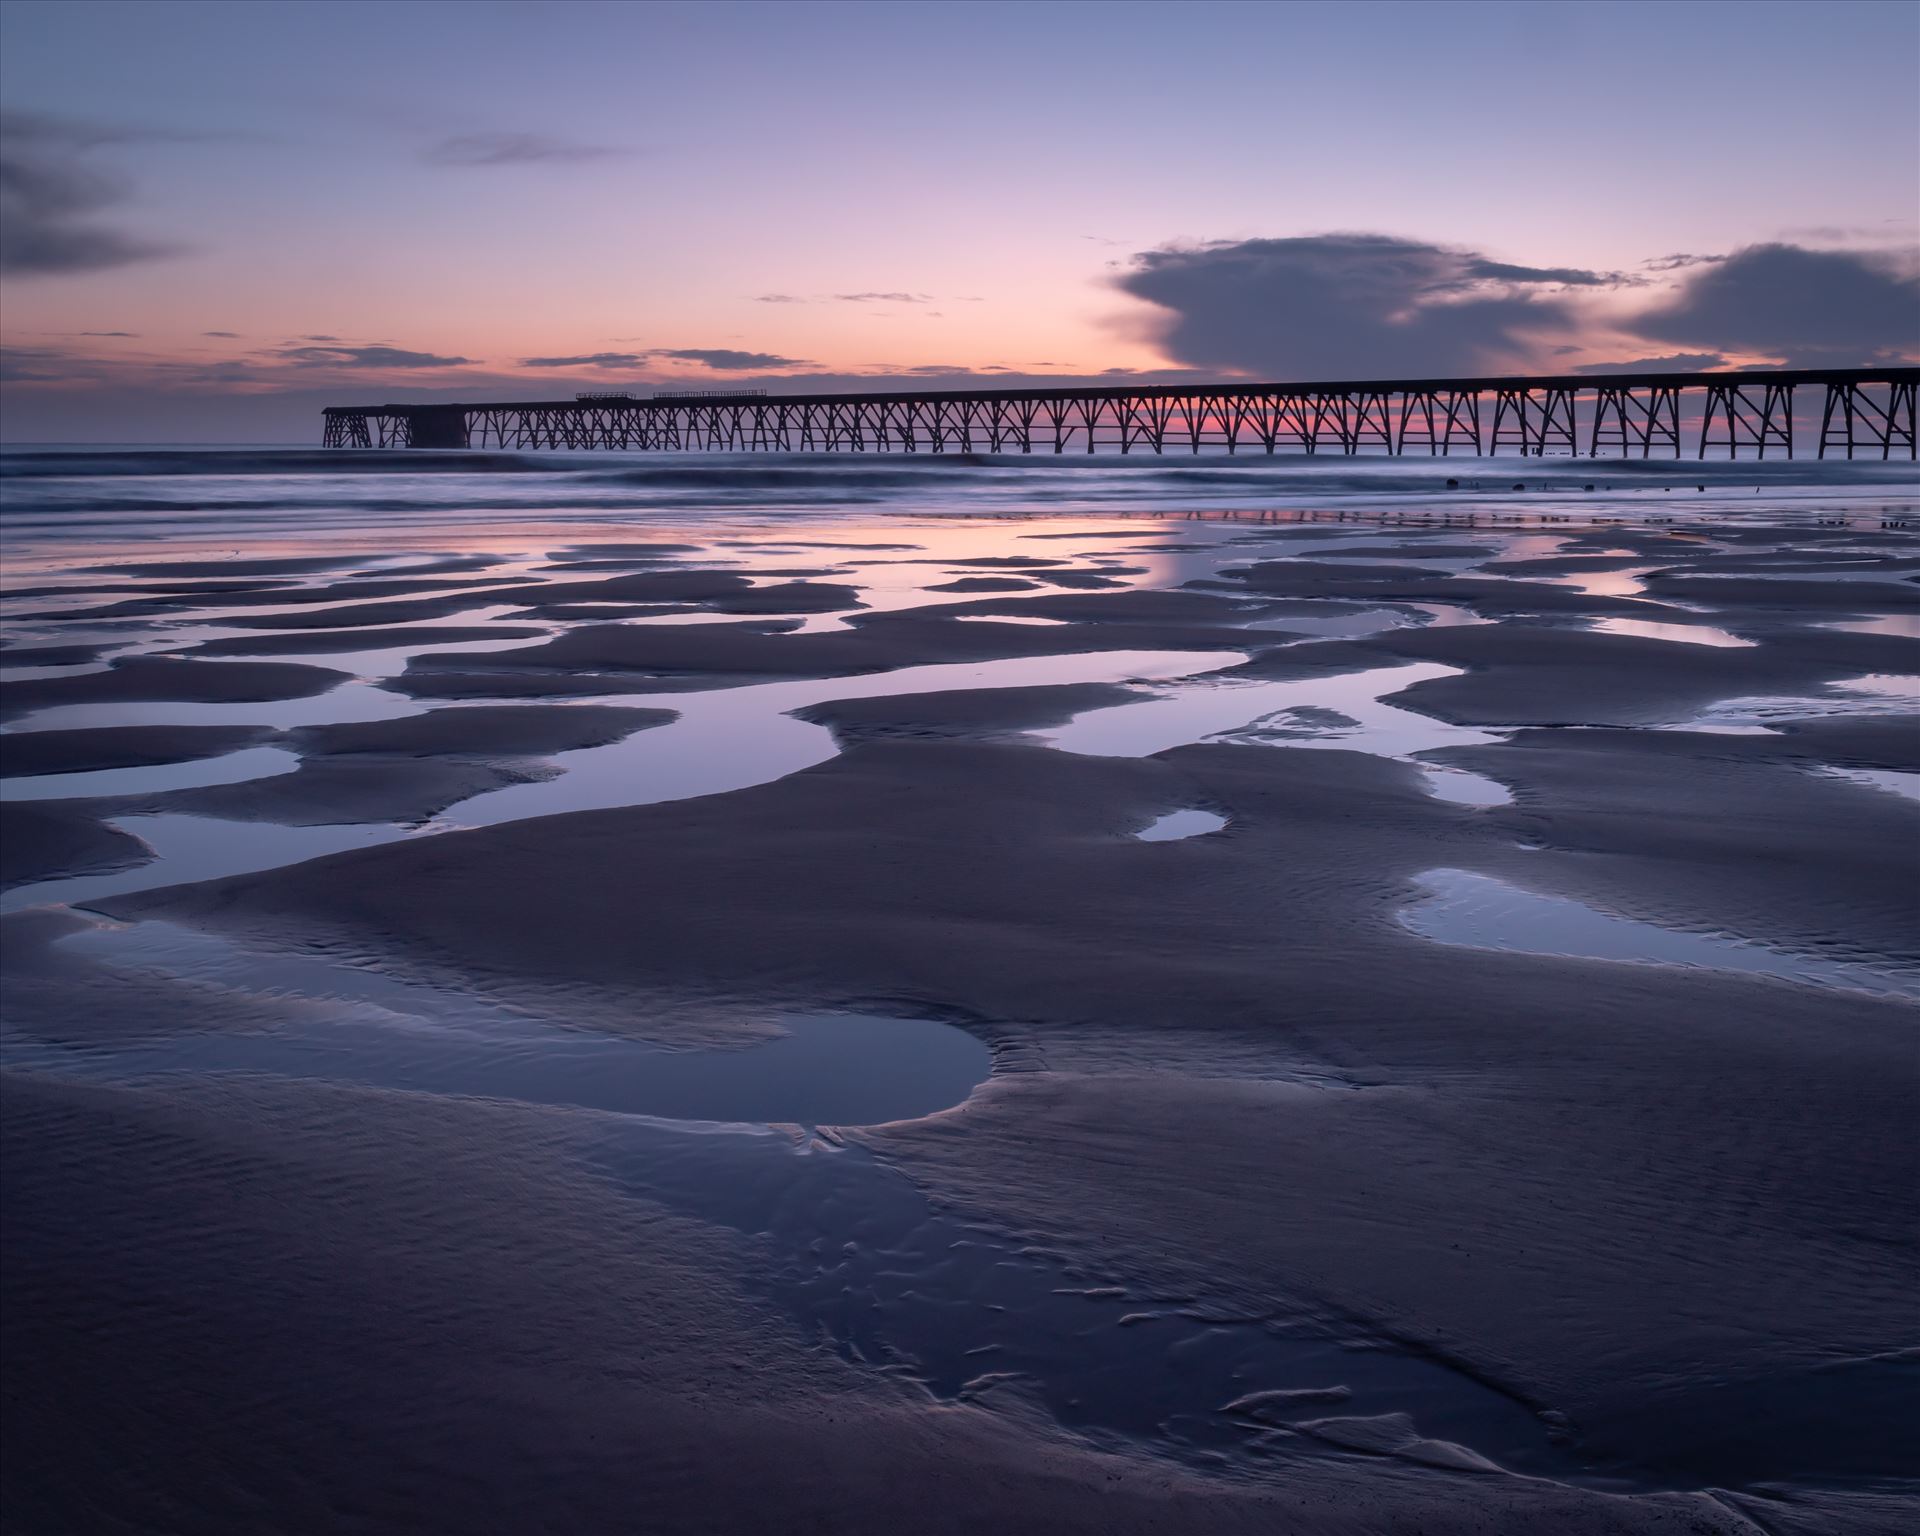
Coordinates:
<point>217,217</point>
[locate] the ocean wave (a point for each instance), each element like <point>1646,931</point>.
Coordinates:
<point>92,492</point>
<point>98,463</point>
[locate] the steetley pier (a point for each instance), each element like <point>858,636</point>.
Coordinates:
<point>1864,413</point>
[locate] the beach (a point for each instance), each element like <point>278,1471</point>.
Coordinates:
<point>548,993</point>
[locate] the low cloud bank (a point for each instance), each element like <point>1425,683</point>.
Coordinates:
<point>1352,306</point>
<point>1806,309</point>
<point>1377,306</point>
<point>367,357</point>
<point>720,359</point>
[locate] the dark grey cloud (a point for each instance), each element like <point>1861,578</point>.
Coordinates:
<point>51,195</point>
<point>726,360</point>
<point>1804,308</point>
<point>1348,306</point>
<point>1673,362</point>
<point>223,335</point>
<point>130,334</point>
<point>482,149</point>
<point>1678,260</point>
<point>366,357</point>
<point>884,298</point>
<point>1479,269</point>
<point>723,359</point>
<point>779,298</point>
<point>319,338</point>
<point>588,360</point>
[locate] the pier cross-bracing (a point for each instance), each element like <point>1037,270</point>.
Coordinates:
<point>1866,412</point>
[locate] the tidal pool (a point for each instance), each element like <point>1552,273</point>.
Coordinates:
<point>1345,710</point>
<point>1176,825</point>
<point>730,738</point>
<point>1685,634</point>
<point>1482,912</point>
<point>228,768</point>
<point>188,848</point>
<point>828,1067</point>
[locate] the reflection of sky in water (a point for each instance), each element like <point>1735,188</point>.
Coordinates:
<point>201,848</point>
<point>1603,583</point>
<point>1876,694</point>
<point>1216,710</point>
<point>1176,825</point>
<point>348,701</point>
<point>232,768</point>
<point>1486,913</point>
<point>1337,626</point>
<point>1788,573</point>
<point>1905,624</point>
<point>727,738</point>
<point>1892,781</point>
<point>1686,634</point>
<point>732,737</point>
<point>1888,685</point>
<point>1448,615</point>
<point>1462,787</point>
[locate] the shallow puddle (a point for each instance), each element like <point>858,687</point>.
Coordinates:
<point>231,768</point>
<point>354,700</point>
<point>828,1068</point>
<point>1180,824</point>
<point>1448,615</point>
<point>1893,781</point>
<point>189,848</point>
<point>1342,626</point>
<point>1906,625</point>
<point>390,661</point>
<point>1344,711</point>
<point>1877,694</point>
<point>1482,912</point>
<point>1625,583</point>
<point>731,738</point>
<point>1686,634</point>
<point>1462,787</point>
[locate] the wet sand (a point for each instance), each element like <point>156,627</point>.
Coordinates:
<point>140,679</point>
<point>1275,1213</point>
<point>123,746</point>
<point>45,842</point>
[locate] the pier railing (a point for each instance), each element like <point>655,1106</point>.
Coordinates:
<point>1864,413</point>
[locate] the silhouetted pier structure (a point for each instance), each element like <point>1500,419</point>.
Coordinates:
<point>1867,412</point>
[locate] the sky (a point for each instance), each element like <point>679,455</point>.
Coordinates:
<point>215,217</point>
